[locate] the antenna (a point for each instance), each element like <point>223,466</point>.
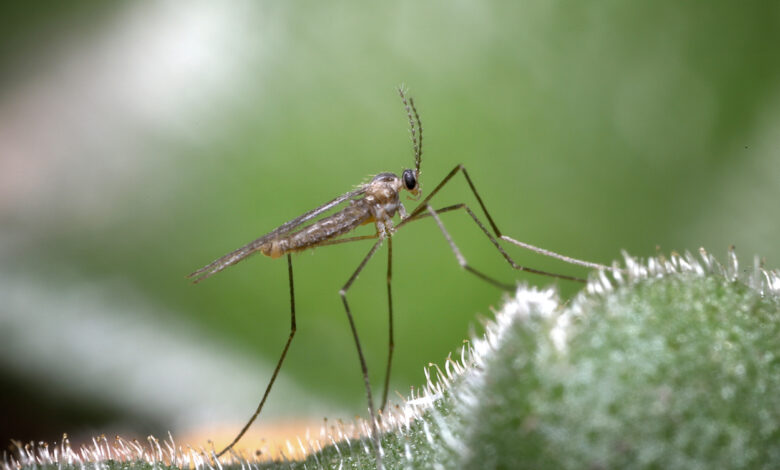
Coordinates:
<point>415,127</point>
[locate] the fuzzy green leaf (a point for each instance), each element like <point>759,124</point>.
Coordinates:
<point>673,363</point>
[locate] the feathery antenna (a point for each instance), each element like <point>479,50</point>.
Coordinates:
<point>415,127</point>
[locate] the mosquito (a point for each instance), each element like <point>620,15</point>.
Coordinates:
<point>374,202</point>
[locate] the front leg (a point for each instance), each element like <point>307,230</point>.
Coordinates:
<point>423,209</point>
<point>385,228</point>
<point>402,211</point>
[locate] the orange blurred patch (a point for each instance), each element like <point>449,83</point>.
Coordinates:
<point>262,441</point>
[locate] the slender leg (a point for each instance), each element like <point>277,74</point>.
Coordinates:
<point>421,209</point>
<point>464,264</point>
<point>461,259</point>
<point>363,367</point>
<point>441,210</point>
<point>347,240</point>
<point>391,344</point>
<point>555,255</point>
<point>278,364</point>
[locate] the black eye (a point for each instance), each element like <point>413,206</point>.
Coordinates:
<point>409,179</point>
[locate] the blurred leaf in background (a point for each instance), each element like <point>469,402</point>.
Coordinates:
<point>139,141</point>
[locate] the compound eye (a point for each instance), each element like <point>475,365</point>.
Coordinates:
<point>410,181</point>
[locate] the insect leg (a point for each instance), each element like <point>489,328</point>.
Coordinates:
<point>363,367</point>
<point>465,265</point>
<point>338,241</point>
<point>555,255</point>
<point>527,246</point>
<point>278,364</point>
<point>420,212</point>
<point>391,344</point>
<point>461,259</point>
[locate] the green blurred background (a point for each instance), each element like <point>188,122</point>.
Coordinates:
<point>139,141</point>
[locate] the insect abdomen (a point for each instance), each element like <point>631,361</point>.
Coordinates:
<point>337,224</point>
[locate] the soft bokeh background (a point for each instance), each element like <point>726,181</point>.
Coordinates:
<point>138,141</point>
